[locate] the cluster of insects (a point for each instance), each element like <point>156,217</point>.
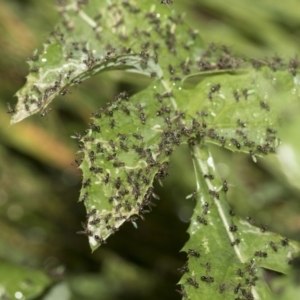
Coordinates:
<point>129,187</point>
<point>246,278</point>
<point>161,34</point>
<point>242,288</point>
<point>131,190</point>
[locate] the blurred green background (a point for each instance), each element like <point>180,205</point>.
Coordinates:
<point>39,187</point>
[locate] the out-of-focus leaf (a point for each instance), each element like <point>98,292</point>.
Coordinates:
<point>21,283</point>
<point>59,291</point>
<point>36,142</point>
<point>116,277</point>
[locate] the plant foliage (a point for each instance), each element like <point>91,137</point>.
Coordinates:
<point>198,95</point>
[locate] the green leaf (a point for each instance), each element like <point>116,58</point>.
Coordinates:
<point>20,282</point>
<point>226,252</point>
<point>104,36</point>
<point>241,111</point>
<point>128,145</point>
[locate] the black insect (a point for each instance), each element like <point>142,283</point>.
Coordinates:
<point>236,143</point>
<point>235,242</point>
<point>99,239</point>
<point>236,95</point>
<point>182,292</point>
<point>209,176</point>
<point>273,246</point>
<point>118,164</point>
<point>85,196</point>
<point>241,133</point>
<point>262,148</point>
<point>64,92</point>
<point>122,137</point>
<point>33,58</point>
<point>125,109</point>
<point>36,89</point>
<point>86,183</point>
<point>46,112</point>
<point>118,207</point>
<point>94,127</point>
<point>168,122</point>
<point>168,151</point>
<point>193,282</point>
<point>34,70</point>
<point>207,266</point>
<point>245,93</point>
<point>261,254</point>
<point>137,136</point>
<point>202,113</point>
<point>239,272</point>
<point>95,221</point>
<point>251,268</point>
<point>214,194</point>
<point>86,231</point>
<point>264,105</point>
<point>237,288</point>
<point>241,123</point>
<point>222,141</point>
<point>271,131</point>
<point>69,73</point>
<point>153,74</point>
<point>124,147</point>
<point>112,145</point>
<point>99,148</point>
<point>127,205</point>
<point>78,162</point>
<point>263,228</point>
<point>118,183</point>
<point>96,170</point>
<point>233,228</point>
<point>107,218</point>
<point>251,282</point>
<point>171,69</point>
<point>205,208</point>
<point>143,118</point>
<point>107,177</point>
<point>201,220</point>
<point>231,212</point>
<point>111,156</point>
<point>184,269</point>
<point>159,97</point>
<point>145,180</point>
<point>250,220</point>
<point>207,279</point>
<point>112,123</point>
<point>92,156</point>
<point>215,88</point>
<point>225,186</point>
<point>285,242</point>
<point>193,253</point>
<point>167,95</point>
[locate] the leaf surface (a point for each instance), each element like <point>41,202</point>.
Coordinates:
<point>103,36</point>
<point>226,252</point>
